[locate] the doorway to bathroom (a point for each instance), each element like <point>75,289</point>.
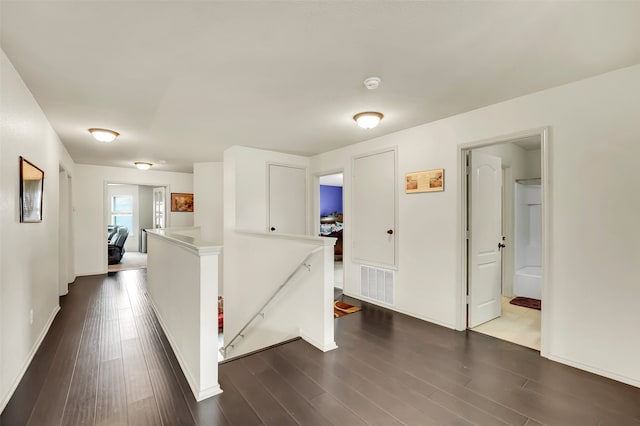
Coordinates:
<point>503,196</point>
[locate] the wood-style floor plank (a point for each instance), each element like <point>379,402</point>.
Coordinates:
<point>106,361</point>
<point>299,408</point>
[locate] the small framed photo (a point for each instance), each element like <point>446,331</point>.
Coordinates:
<point>181,202</point>
<point>31,191</point>
<point>425,181</point>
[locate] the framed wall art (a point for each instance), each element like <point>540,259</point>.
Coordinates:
<point>31,192</point>
<point>425,181</point>
<point>181,202</point>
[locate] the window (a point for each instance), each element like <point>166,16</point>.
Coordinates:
<point>122,211</point>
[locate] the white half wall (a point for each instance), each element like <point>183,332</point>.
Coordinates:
<point>256,265</point>
<point>182,275</point>
<point>90,213</point>
<point>594,245</point>
<point>29,252</point>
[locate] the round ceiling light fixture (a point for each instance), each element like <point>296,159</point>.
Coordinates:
<point>368,120</point>
<point>142,165</point>
<point>104,135</point>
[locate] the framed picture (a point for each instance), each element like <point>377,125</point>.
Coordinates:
<point>426,181</point>
<point>181,202</point>
<point>31,191</point>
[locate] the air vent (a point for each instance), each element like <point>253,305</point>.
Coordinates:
<point>377,284</point>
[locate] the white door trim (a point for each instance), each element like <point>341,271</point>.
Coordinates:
<point>547,293</point>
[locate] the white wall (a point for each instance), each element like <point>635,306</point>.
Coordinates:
<point>257,264</point>
<point>145,206</point>
<point>245,185</point>
<point>29,252</point>
<point>89,199</point>
<point>594,200</point>
<point>534,161</point>
<point>207,198</point>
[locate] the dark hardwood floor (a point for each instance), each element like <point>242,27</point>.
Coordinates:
<point>105,361</point>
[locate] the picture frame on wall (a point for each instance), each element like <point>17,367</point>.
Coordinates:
<point>31,191</point>
<point>425,181</point>
<point>181,202</point>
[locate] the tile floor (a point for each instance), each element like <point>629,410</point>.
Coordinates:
<point>517,325</point>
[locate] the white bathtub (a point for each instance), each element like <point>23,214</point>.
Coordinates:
<point>527,282</point>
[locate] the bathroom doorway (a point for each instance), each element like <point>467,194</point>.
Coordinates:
<point>504,251</point>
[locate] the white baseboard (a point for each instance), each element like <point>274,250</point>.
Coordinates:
<point>411,314</point>
<point>595,370</point>
<point>32,353</point>
<point>323,347</point>
<point>208,393</point>
<point>87,274</point>
<point>199,394</point>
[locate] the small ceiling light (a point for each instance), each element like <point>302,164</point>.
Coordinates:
<point>104,135</point>
<point>368,120</point>
<point>142,165</point>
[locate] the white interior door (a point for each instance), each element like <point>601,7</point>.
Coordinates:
<point>374,211</point>
<point>287,200</point>
<point>159,214</point>
<point>485,224</point>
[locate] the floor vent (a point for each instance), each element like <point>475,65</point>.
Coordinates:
<point>377,284</point>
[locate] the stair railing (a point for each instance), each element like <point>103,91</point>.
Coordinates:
<point>260,313</point>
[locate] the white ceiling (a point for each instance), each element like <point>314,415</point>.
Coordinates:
<point>331,180</point>
<point>183,80</point>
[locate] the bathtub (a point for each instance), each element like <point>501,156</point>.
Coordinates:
<point>527,282</point>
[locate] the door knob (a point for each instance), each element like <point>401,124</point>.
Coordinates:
<point>273,229</point>
<point>500,245</point>
<point>390,231</point>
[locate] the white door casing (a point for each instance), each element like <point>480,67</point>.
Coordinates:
<point>374,209</point>
<point>287,200</point>
<point>485,229</point>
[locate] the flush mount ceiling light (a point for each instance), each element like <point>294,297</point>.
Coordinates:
<point>143,165</point>
<point>368,120</point>
<point>104,135</point>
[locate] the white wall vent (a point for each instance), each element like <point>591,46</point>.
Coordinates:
<point>377,284</point>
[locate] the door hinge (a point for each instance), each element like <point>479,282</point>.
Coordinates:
<point>468,234</point>
<point>468,299</point>
<point>468,170</point>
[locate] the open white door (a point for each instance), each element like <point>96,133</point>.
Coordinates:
<point>485,226</point>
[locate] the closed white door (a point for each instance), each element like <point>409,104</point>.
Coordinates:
<point>485,225</point>
<point>374,211</point>
<point>159,215</point>
<point>287,200</point>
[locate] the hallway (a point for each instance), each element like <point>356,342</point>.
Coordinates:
<point>105,361</point>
